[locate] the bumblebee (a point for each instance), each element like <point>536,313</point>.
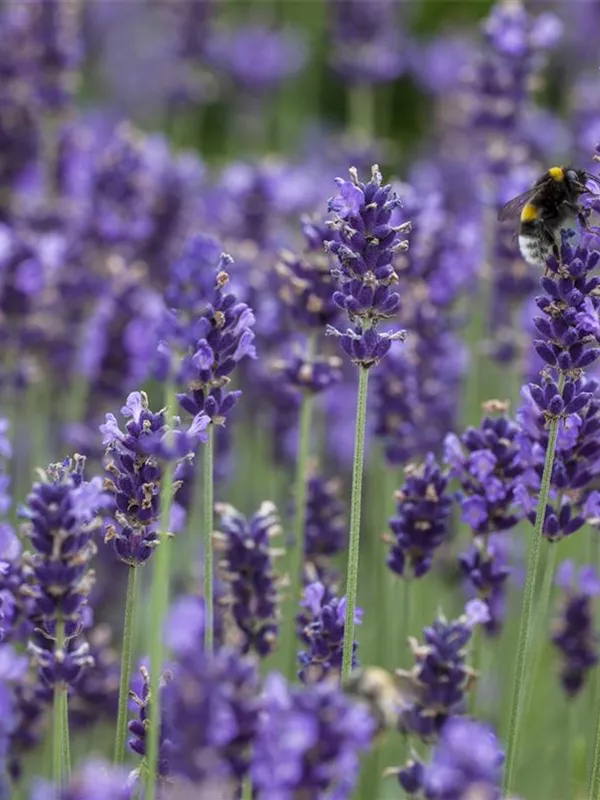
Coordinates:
<point>545,208</point>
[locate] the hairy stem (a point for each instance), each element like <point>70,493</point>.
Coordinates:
<point>354,537</point>
<point>126,653</point>
<point>159,601</point>
<point>58,719</point>
<point>300,493</point>
<point>208,526</point>
<point>523,643</point>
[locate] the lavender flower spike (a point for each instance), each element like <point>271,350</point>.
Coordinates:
<point>441,676</point>
<point>365,246</point>
<point>574,632</point>
<point>421,524</point>
<point>223,338</point>
<point>247,566</point>
<point>321,626</point>
<point>309,741</point>
<point>134,463</point>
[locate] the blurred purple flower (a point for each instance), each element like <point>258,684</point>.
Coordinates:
<point>234,52</point>
<point>246,565</point>
<point>308,741</point>
<point>574,633</point>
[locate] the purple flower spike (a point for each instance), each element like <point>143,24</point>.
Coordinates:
<point>309,740</point>
<point>321,627</point>
<point>93,780</point>
<point>466,760</point>
<point>365,246</point>
<point>283,54</point>
<point>134,466</point>
<point>421,525</point>
<point>138,728</point>
<point>211,713</point>
<point>222,337</point>
<point>367,43</point>
<point>488,464</point>
<point>326,526</point>
<point>62,515</point>
<point>246,565</point>
<point>486,570</point>
<point>574,632</point>
<point>441,677</point>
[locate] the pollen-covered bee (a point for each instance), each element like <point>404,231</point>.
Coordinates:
<point>545,208</point>
<point>381,692</point>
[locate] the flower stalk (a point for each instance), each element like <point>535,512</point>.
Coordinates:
<point>300,494</point>
<point>59,732</point>
<point>126,655</point>
<point>208,459</point>
<point>159,602</point>
<point>523,645</point>
<point>355,509</point>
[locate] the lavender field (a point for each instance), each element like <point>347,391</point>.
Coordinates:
<point>299,455</point>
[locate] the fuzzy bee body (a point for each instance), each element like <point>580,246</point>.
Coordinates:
<point>544,211</point>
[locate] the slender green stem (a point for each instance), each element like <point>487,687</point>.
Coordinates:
<point>540,629</point>
<point>300,493</point>
<point>58,720</point>
<point>126,653</point>
<point>354,543</point>
<point>247,789</point>
<point>594,792</point>
<point>66,737</point>
<point>209,505</point>
<point>159,601</point>
<point>523,648</point>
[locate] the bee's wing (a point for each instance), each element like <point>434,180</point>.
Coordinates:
<point>514,206</point>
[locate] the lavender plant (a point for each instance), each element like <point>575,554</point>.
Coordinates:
<point>365,246</point>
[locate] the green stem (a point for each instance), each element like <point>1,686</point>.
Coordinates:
<point>58,719</point>
<point>354,536</point>
<point>540,628</point>
<point>126,652</point>
<point>66,738</point>
<point>518,693</point>
<point>159,601</point>
<point>209,504</point>
<point>594,792</point>
<point>300,493</point>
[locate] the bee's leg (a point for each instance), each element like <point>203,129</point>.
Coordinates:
<point>580,213</point>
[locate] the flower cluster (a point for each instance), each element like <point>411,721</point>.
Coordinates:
<point>325,526</point>
<point>94,778</point>
<point>211,711</point>
<point>574,633</point>
<point>441,677</point>
<point>223,337</point>
<point>569,333</point>
<point>487,463</point>
<point>138,728</point>
<point>246,565</point>
<point>306,282</point>
<point>135,474</point>
<point>367,43</point>
<point>321,627</point>
<point>485,567</point>
<point>467,761</point>
<point>309,374</point>
<point>61,518</point>
<point>365,247</point>
<point>322,755</point>
<point>421,524</point>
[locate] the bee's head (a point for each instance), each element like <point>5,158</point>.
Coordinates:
<point>577,178</point>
